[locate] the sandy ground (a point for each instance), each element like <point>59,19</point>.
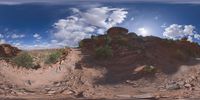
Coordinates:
<point>63,81</point>
<point>41,77</point>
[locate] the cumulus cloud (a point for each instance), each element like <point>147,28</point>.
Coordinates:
<point>132,18</point>
<point>37,36</point>
<point>163,25</point>
<point>190,38</point>
<point>16,36</point>
<point>197,36</point>
<point>176,31</point>
<point>17,44</point>
<point>82,24</point>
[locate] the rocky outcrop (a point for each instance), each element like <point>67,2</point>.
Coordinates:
<point>129,51</point>
<point>151,47</point>
<point>114,31</point>
<point>7,50</point>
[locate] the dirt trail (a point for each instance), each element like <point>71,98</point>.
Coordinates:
<point>60,81</point>
<point>57,81</point>
<point>34,79</point>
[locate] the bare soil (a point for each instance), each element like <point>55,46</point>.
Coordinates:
<point>78,77</point>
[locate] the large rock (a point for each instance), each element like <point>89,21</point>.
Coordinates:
<point>129,51</point>
<point>117,31</point>
<point>7,50</point>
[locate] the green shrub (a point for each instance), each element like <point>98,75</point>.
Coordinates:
<point>24,60</point>
<point>103,52</point>
<point>53,57</point>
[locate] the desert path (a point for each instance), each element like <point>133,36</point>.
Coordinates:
<point>35,79</point>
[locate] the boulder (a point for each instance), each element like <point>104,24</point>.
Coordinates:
<point>117,31</point>
<point>7,50</point>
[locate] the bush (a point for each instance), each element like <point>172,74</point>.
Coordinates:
<point>53,57</point>
<point>103,52</point>
<point>24,60</point>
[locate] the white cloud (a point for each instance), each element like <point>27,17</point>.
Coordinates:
<point>190,38</point>
<point>43,45</point>
<point>163,25</point>
<point>189,30</point>
<point>2,41</point>
<point>54,41</point>
<point>1,36</point>
<point>197,36</point>
<point>176,31</point>
<point>101,31</point>
<point>37,36</point>
<point>82,24</point>
<point>16,36</point>
<point>132,19</point>
<point>17,44</point>
<point>103,17</point>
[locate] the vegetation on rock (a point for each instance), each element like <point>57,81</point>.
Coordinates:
<point>118,42</point>
<point>104,52</point>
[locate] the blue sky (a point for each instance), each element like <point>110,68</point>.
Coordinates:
<point>32,24</point>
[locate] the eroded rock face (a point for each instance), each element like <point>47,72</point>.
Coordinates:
<point>7,50</point>
<point>130,49</point>
<point>117,31</point>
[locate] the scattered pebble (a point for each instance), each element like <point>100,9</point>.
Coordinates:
<point>173,86</point>
<point>187,85</point>
<point>67,92</point>
<point>51,92</point>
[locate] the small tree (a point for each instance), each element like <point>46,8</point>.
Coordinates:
<point>24,60</point>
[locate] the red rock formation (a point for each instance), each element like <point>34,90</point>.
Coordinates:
<point>114,31</point>
<point>130,51</point>
<point>7,50</point>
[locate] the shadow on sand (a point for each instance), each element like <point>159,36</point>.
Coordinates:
<point>121,69</point>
